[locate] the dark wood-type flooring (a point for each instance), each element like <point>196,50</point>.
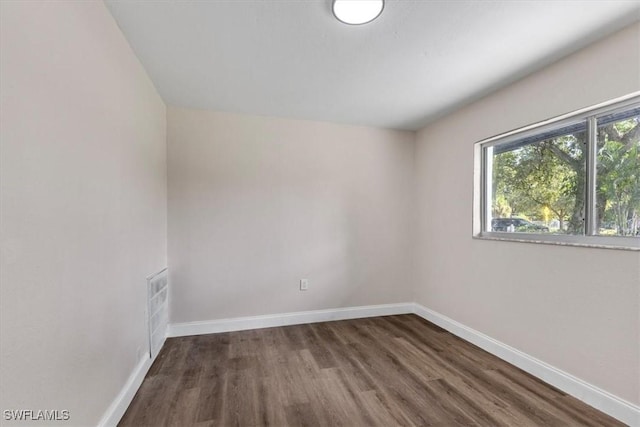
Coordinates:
<point>383,371</point>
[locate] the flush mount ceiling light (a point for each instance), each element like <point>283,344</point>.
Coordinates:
<point>356,12</point>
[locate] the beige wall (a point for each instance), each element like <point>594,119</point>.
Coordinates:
<point>83,170</point>
<point>574,308</point>
<point>257,203</point>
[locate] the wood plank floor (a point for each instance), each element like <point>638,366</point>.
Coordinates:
<point>383,371</point>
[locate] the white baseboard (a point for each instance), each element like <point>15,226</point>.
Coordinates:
<point>119,406</point>
<point>602,400</point>
<point>286,319</point>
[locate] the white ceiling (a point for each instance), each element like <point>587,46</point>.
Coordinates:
<point>292,58</point>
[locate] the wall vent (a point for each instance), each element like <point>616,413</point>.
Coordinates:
<point>157,310</point>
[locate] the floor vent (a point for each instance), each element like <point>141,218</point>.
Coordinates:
<point>158,310</point>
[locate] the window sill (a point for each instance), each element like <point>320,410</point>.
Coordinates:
<point>598,242</point>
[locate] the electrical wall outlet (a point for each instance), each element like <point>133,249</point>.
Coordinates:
<point>304,284</point>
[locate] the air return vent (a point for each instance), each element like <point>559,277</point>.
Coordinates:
<point>158,310</point>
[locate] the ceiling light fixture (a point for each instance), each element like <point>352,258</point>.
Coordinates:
<point>356,12</point>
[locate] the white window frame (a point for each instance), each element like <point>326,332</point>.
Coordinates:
<point>482,182</point>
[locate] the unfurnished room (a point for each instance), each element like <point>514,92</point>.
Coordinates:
<point>319,213</point>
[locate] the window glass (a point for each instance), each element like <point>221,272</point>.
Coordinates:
<point>618,174</point>
<point>537,184</point>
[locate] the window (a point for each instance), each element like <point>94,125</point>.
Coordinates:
<point>573,179</point>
